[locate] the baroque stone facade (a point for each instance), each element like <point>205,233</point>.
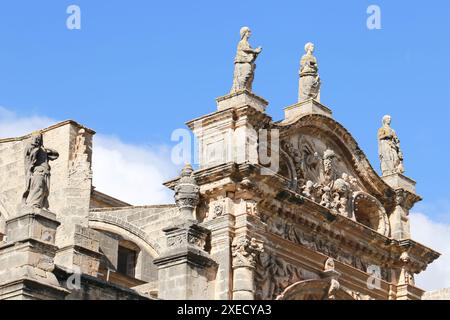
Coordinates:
<point>288,209</point>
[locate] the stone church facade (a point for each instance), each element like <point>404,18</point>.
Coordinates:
<point>288,209</point>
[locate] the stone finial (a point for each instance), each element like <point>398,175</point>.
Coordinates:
<point>309,83</point>
<point>37,173</point>
<point>244,63</point>
<point>391,157</point>
<point>187,193</point>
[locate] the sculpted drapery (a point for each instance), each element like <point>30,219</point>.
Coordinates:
<point>309,87</point>
<point>391,156</point>
<point>37,173</point>
<point>244,63</point>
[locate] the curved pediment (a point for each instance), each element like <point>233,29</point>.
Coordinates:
<point>324,163</point>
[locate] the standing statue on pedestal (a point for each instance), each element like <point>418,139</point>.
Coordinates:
<point>244,63</point>
<point>37,173</point>
<point>309,83</point>
<point>391,156</point>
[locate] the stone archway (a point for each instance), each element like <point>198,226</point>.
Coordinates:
<point>370,212</point>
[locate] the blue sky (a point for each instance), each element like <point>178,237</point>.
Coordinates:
<point>140,69</point>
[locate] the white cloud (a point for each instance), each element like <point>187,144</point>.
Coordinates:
<point>12,125</point>
<point>436,236</point>
<point>132,173</point>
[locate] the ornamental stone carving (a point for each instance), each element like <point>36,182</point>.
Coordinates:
<point>245,252</point>
<point>187,234</point>
<point>406,276</point>
<point>309,83</point>
<point>273,275</point>
<point>329,265</point>
<point>187,193</point>
<point>37,173</point>
<point>331,191</point>
<point>391,156</point>
<point>244,63</point>
<point>288,231</point>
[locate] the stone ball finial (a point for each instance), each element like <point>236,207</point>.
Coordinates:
<point>187,192</point>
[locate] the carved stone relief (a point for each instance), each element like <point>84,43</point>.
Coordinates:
<point>273,275</point>
<point>245,251</point>
<point>288,231</point>
<point>321,175</point>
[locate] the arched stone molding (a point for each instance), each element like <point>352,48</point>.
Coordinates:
<point>327,127</point>
<point>370,212</point>
<point>128,232</point>
<point>314,290</point>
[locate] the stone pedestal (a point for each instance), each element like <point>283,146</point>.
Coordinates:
<point>27,258</point>
<point>185,269</point>
<point>406,196</point>
<point>241,99</point>
<point>399,221</point>
<point>83,254</point>
<point>399,181</point>
<point>230,135</point>
<point>310,106</point>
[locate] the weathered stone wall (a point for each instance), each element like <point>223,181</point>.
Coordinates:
<point>143,222</point>
<point>141,225</point>
<point>70,182</point>
<point>442,294</point>
<point>92,288</point>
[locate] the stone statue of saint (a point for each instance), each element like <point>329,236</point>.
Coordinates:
<point>309,83</point>
<point>244,63</point>
<point>37,173</point>
<point>391,156</point>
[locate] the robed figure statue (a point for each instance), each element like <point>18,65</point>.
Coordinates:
<point>244,63</point>
<point>37,173</point>
<point>391,157</point>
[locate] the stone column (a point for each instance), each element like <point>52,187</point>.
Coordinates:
<point>400,228</point>
<point>405,198</point>
<point>185,269</point>
<point>27,258</point>
<point>245,251</point>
